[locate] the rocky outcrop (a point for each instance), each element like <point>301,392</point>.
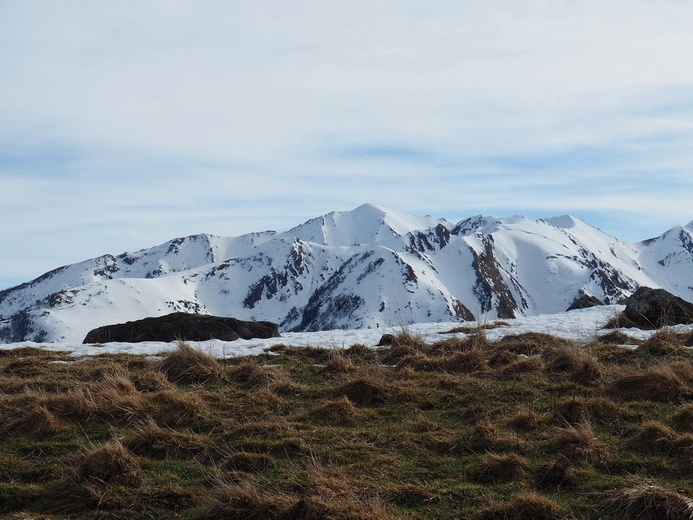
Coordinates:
<point>183,326</point>
<point>585,301</point>
<point>654,308</point>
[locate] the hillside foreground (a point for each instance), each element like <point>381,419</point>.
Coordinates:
<point>471,424</point>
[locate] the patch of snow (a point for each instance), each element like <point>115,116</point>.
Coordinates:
<point>582,325</point>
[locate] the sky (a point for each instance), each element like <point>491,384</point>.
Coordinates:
<point>126,124</point>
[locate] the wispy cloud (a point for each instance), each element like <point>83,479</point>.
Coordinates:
<point>126,124</point>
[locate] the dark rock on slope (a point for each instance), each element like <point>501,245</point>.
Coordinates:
<point>183,326</point>
<point>585,301</point>
<point>654,308</point>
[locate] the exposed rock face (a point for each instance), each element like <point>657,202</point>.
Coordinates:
<point>585,301</point>
<point>654,308</point>
<point>180,325</point>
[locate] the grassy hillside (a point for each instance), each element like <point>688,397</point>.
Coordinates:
<point>530,426</point>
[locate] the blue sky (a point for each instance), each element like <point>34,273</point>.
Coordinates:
<point>125,124</point>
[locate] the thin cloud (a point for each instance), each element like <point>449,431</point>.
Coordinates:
<point>124,125</point>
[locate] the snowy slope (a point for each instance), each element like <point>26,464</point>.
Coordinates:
<point>366,268</point>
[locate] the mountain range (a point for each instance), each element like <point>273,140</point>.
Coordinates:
<point>369,267</point>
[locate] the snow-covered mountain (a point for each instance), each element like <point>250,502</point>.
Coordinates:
<point>370,267</point>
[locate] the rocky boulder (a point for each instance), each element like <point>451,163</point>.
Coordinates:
<point>585,301</point>
<point>183,326</point>
<point>654,308</point>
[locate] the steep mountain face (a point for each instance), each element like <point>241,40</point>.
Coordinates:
<point>370,267</point>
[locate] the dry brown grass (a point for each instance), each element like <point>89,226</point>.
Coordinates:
<point>647,502</point>
<point>245,500</point>
<point>174,409</point>
<point>494,468</point>
<point>664,342</point>
<point>523,507</point>
<point>654,437</point>
<point>528,421</point>
<point>336,434</point>
<point>577,410</point>
<point>683,418</point>
<point>579,442</point>
<point>190,365</point>
<point>396,354</point>
<point>476,339</point>
<point>556,476</point>
<point>523,365</point>
<point>150,439</point>
<point>339,362</point>
<point>367,386</point>
<point>406,338</point>
<point>617,337</point>
<point>152,382</point>
<point>574,360</point>
<point>655,384</point>
<point>682,368</point>
<point>530,343</point>
<point>468,361</point>
<point>251,374</point>
<point>37,422</point>
<point>340,411</point>
<point>110,464</point>
<point>413,495</point>
<point>500,357</point>
<point>417,361</point>
<point>326,493</point>
<point>248,462</point>
<point>687,339</point>
<point>365,392</point>
<point>486,437</point>
<point>27,367</point>
<point>113,399</point>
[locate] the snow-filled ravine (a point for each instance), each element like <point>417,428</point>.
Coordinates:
<point>582,326</point>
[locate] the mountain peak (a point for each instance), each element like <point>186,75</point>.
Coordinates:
<point>366,224</point>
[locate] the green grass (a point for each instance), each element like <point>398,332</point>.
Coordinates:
<point>527,427</point>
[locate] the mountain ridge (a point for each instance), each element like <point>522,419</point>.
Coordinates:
<point>368,267</point>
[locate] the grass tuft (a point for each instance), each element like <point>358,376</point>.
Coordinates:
<point>664,342</point>
<point>338,412</point>
<point>494,468</point>
<point>190,365</point>
<point>645,502</point>
<point>149,439</point>
<point>251,374</point>
<point>473,360</point>
<point>366,388</point>
<point>655,384</point>
<point>522,507</point>
<point>683,418</point>
<point>579,442</point>
<point>574,360</point>
<point>339,363</point>
<point>245,500</point>
<point>617,337</point>
<point>110,464</point>
<point>38,422</point>
<point>654,437</point>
